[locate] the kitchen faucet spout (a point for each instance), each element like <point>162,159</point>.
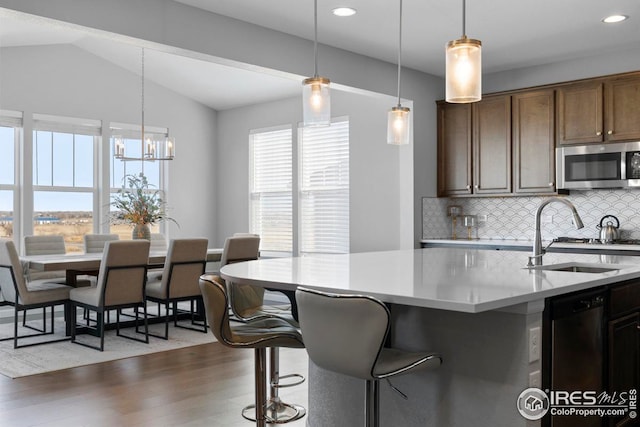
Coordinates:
<point>537,243</point>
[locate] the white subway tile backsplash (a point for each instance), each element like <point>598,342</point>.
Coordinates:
<point>512,218</point>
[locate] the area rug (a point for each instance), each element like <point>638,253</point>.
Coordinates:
<point>15,363</point>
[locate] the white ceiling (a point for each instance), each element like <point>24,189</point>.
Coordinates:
<point>514,34</point>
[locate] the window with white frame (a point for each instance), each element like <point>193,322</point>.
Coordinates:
<point>322,181</point>
<point>10,125</point>
<point>270,192</point>
<point>64,182</point>
<point>324,188</point>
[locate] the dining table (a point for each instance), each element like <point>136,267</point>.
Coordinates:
<point>76,264</point>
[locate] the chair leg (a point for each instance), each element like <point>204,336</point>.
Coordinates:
<point>260,385</point>
<point>372,404</point>
<point>100,317</point>
<point>73,314</point>
<point>15,324</point>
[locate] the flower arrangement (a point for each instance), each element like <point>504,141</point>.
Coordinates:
<point>137,204</point>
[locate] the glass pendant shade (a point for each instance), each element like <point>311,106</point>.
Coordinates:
<point>316,102</point>
<point>464,71</point>
<point>398,125</point>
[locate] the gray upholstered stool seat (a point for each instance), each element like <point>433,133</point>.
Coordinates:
<point>257,334</point>
<point>346,334</point>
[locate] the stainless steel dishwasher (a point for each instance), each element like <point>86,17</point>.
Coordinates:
<point>577,327</point>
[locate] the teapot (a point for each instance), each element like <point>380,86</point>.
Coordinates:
<point>608,232</point>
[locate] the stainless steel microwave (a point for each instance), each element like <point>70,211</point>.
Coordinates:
<point>614,165</point>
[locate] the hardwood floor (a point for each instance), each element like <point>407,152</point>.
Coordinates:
<point>205,385</point>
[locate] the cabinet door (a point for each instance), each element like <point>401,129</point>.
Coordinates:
<point>534,142</point>
<point>454,149</point>
<point>622,109</point>
<point>624,359</point>
<point>580,118</point>
<point>492,145</point>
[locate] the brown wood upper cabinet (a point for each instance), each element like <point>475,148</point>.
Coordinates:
<point>487,149</point>
<point>474,147</point>
<point>454,149</point>
<point>599,111</point>
<point>533,142</point>
<point>491,120</point>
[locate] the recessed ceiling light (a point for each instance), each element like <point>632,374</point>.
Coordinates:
<point>344,11</point>
<point>615,18</point>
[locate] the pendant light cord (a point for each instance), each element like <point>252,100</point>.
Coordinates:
<point>315,38</point>
<point>464,19</point>
<point>399,52</point>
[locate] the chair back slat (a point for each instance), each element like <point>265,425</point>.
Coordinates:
<point>44,245</point>
<point>94,243</point>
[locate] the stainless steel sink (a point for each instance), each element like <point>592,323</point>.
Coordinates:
<point>578,268</point>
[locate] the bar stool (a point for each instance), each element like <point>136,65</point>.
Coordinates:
<point>247,305</point>
<point>258,334</point>
<point>336,340</point>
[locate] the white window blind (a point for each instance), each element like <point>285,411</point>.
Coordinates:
<point>270,181</point>
<point>324,189</point>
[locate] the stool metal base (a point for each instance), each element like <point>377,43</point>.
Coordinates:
<point>276,412</point>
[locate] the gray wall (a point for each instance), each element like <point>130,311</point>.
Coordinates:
<point>67,81</point>
<point>571,69</point>
<point>376,168</point>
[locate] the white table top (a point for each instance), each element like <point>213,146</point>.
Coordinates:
<point>82,261</point>
<point>457,279</point>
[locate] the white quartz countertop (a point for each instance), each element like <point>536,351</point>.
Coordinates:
<point>595,247</point>
<point>457,279</point>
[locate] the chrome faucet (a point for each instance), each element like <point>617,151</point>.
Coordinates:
<point>536,259</point>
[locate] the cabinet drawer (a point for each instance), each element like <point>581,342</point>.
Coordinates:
<point>624,299</point>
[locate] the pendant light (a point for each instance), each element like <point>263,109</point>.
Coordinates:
<point>398,124</point>
<point>316,100</point>
<point>150,148</point>
<point>464,67</point>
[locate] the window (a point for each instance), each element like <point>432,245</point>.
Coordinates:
<point>10,124</point>
<point>270,180</point>
<point>324,189</point>
<point>64,185</point>
<point>322,202</point>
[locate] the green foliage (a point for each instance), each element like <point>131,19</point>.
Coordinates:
<point>137,203</point>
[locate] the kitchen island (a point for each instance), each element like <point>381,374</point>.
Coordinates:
<point>475,307</point>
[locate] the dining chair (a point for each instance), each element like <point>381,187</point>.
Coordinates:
<point>178,281</point>
<point>256,334</point>
<point>24,294</point>
<point>120,284</point>
<point>45,245</point>
<point>94,243</point>
<point>336,339</point>
<point>158,242</point>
